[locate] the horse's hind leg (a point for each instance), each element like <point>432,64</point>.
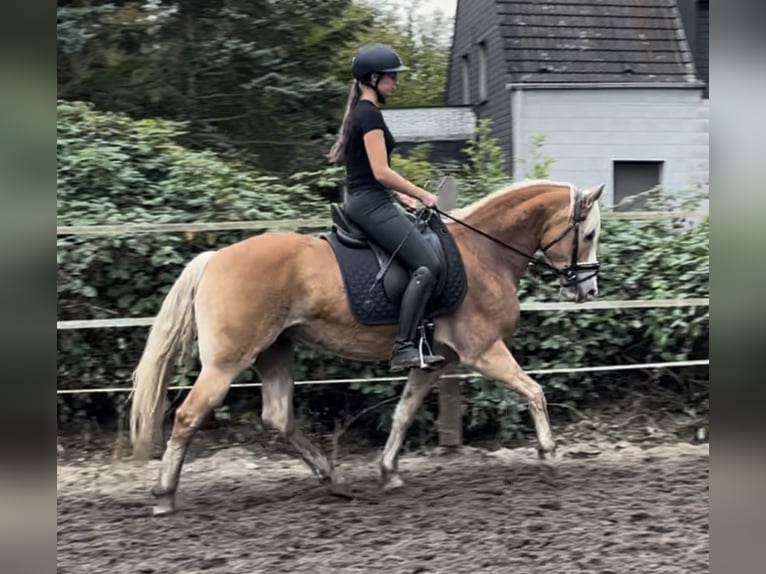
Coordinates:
<point>498,363</point>
<point>275,367</point>
<point>208,391</point>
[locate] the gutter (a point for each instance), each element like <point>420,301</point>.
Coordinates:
<point>509,86</point>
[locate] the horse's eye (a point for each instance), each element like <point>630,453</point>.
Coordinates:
<point>590,236</point>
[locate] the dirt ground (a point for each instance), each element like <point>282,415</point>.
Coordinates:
<point>601,507</point>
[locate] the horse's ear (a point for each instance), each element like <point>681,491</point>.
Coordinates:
<point>592,195</point>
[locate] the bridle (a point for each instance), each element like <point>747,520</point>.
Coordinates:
<point>570,272</point>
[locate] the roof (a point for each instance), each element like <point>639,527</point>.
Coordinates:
<point>594,41</point>
<point>431,123</point>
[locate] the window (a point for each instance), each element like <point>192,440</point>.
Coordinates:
<point>466,80</point>
<point>633,177</point>
<point>482,71</point>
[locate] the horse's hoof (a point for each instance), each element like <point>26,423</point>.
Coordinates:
<point>166,503</point>
<point>548,454</point>
<point>393,482</point>
<point>336,486</point>
<point>339,489</point>
<point>163,509</point>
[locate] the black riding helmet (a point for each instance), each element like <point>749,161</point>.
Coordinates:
<point>376,59</point>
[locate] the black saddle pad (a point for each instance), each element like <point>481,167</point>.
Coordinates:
<point>380,306</point>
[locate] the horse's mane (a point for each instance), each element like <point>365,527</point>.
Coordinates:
<point>527,184</point>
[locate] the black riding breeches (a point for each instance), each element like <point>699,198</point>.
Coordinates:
<point>387,224</point>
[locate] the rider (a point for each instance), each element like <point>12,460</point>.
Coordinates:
<point>364,144</point>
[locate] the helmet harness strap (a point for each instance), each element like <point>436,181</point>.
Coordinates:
<point>374,86</point>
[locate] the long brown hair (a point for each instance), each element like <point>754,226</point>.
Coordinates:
<point>338,149</point>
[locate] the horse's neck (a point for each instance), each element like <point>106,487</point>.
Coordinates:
<point>518,220</point>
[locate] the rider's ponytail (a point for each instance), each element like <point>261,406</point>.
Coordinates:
<point>338,149</point>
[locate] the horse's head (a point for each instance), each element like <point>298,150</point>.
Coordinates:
<point>570,244</point>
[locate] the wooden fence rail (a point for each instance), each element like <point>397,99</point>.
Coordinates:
<point>309,223</point>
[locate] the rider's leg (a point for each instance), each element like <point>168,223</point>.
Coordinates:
<point>388,225</point>
<point>406,354</point>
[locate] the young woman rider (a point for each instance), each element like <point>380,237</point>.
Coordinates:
<point>364,145</point>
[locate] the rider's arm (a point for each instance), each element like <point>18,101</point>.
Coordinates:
<point>375,144</point>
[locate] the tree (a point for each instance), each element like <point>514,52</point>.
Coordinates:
<point>264,80</point>
<point>256,76</point>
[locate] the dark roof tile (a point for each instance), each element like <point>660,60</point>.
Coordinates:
<point>594,41</point>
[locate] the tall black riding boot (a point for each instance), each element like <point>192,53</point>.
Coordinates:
<point>406,354</point>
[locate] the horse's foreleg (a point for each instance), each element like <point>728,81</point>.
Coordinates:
<point>208,391</point>
<point>498,363</point>
<point>275,366</point>
<point>417,387</point>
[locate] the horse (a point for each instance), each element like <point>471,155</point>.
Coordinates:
<point>252,302</point>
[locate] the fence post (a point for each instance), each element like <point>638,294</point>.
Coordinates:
<point>450,423</point>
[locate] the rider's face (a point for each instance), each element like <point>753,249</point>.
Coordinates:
<point>388,83</point>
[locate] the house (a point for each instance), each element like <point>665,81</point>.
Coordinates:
<point>447,130</point>
<point>617,88</point>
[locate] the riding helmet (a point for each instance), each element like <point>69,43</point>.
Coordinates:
<point>378,58</point>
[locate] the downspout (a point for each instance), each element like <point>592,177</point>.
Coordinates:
<point>517,130</point>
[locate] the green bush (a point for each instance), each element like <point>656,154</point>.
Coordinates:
<point>415,166</point>
<point>484,171</point>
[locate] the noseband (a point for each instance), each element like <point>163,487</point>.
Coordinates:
<point>568,273</point>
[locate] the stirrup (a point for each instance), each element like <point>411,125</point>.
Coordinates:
<point>425,360</point>
<point>437,359</point>
<point>413,358</point>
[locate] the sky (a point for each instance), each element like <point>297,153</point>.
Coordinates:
<point>426,8</point>
<point>447,7</point>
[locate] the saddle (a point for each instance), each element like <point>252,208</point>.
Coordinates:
<point>375,284</point>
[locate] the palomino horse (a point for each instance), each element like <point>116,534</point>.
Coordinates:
<point>252,301</point>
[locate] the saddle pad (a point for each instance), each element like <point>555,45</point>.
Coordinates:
<point>359,266</point>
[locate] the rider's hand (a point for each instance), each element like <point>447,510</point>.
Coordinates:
<point>428,199</point>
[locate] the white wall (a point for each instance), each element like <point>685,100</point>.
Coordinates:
<point>586,130</point>
<point>431,123</point>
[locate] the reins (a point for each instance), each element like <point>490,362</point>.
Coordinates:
<point>533,259</point>
<point>569,273</point>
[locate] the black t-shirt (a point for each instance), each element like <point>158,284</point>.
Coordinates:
<point>364,117</point>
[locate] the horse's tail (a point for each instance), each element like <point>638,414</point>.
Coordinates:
<point>172,332</point>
